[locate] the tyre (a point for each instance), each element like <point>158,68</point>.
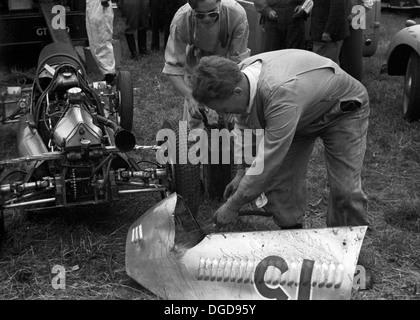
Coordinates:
<point>2,228</point>
<point>183,178</point>
<point>217,176</point>
<point>124,107</point>
<point>411,104</point>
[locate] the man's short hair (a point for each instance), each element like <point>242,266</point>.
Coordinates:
<point>193,3</point>
<point>215,78</point>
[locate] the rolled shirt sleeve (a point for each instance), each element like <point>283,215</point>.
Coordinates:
<point>238,49</point>
<point>175,53</point>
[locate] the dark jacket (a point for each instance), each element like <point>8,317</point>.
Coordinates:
<point>329,16</point>
<point>264,6</point>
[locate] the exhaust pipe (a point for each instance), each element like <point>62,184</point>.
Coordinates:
<point>125,140</point>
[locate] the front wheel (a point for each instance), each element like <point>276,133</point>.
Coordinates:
<point>183,176</point>
<point>125,103</point>
<point>411,104</point>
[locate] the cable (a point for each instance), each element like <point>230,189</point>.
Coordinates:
<point>108,169</point>
<point>100,165</point>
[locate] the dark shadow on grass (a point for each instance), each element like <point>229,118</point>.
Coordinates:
<point>406,216</point>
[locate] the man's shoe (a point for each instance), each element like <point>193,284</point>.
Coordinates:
<point>143,51</point>
<point>134,56</point>
<point>142,41</point>
<point>131,42</point>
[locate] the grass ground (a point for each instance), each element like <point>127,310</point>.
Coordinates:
<point>90,243</point>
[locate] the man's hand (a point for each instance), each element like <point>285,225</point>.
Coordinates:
<point>105,3</point>
<point>195,120</point>
<point>226,214</point>
<point>234,184</point>
<point>298,12</point>
<point>326,37</point>
<point>194,109</point>
<point>272,15</point>
<point>368,4</point>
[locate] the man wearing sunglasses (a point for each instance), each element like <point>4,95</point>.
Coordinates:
<point>202,28</point>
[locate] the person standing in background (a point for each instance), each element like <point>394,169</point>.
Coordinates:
<point>329,27</point>
<point>351,56</point>
<point>100,28</point>
<point>284,27</point>
<point>161,14</point>
<point>137,19</point>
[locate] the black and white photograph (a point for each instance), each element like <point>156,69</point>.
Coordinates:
<point>209,156</point>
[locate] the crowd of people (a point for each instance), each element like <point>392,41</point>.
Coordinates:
<point>295,95</point>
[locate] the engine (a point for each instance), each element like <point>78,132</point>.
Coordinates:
<point>66,108</point>
<point>76,127</point>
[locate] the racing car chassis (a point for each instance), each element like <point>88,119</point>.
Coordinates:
<point>73,142</point>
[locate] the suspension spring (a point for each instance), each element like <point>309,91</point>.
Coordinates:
<point>74,183</point>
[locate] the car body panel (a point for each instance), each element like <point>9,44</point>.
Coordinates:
<point>401,4</point>
<point>371,33</point>
<point>278,264</point>
<point>402,44</point>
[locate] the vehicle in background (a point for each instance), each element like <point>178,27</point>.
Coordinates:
<point>401,4</point>
<point>25,31</point>
<point>371,33</point>
<point>403,59</point>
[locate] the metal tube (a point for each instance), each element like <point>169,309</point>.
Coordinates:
<point>141,190</point>
<point>139,184</point>
<point>139,148</point>
<point>16,205</point>
<point>28,195</point>
<point>55,155</point>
